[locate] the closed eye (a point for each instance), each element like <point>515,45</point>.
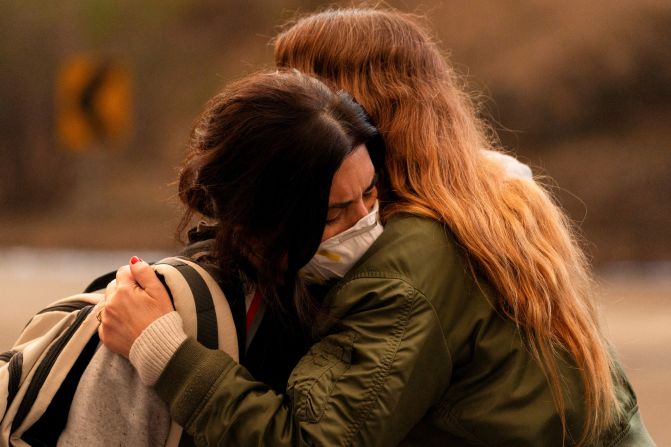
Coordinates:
<point>371,189</point>
<point>331,221</point>
<point>336,211</point>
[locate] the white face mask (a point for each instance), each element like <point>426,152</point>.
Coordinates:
<point>336,255</point>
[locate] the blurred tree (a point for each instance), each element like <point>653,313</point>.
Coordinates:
<point>32,171</point>
<point>580,90</point>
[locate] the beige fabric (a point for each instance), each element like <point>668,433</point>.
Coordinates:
<point>112,400</point>
<point>111,405</point>
<point>40,334</point>
<point>152,350</point>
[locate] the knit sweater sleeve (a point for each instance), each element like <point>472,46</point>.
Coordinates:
<point>152,350</point>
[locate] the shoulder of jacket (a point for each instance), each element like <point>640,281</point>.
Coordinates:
<point>414,250</point>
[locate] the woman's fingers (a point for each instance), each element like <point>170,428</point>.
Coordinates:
<point>147,279</point>
<point>111,287</point>
<point>132,302</point>
<point>117,330</point>
<point>124,275</point>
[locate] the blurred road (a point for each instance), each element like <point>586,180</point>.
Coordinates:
<point>636,302</point>
<point>636,307</point>
<point>31,279</point>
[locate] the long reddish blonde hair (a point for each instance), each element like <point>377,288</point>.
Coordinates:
<point>511,228</point>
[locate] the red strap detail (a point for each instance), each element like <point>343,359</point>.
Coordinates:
<point>253,309</point>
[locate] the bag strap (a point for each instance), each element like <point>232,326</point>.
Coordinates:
<point>207,329</point>
<point>207,334</point>
<point>44,368</point>
<point>100,282</point>
<point>47,429</point>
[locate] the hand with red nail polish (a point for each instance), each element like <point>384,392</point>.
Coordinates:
<point>132,303</point>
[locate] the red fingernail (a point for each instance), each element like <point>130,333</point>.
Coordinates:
<point>134,259</point>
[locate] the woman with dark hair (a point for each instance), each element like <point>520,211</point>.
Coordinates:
<point>276,163</point>
<point>469,321</point>
<point>260,161</point>
<point>260,166</point>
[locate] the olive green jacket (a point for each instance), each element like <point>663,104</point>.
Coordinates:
<point>414,354</point>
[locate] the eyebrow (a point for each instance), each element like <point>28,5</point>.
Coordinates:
<point>339,205</point>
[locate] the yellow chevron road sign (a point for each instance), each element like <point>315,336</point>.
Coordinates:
<point>93,102</point>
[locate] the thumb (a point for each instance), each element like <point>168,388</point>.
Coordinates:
<point>146,278</point>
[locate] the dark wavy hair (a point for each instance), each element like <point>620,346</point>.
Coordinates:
<point>260,162</point>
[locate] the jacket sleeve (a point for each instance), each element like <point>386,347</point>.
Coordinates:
<point>376,373</point>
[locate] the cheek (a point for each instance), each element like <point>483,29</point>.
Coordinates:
<point>329,232</point>
<point>336,228</point>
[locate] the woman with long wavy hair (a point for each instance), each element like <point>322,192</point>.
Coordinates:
<point>512,231</point>
<point>470,319</point>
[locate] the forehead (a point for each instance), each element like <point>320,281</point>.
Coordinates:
<point>353,177</point>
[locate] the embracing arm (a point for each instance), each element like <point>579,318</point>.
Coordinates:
<point>366,383</point>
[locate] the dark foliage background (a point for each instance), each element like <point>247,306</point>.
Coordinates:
<point>581,91</point>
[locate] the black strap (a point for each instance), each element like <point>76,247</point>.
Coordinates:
<point>45,366</point>
<point>14,367</point>
<point>46,430</point>
<point>70,306</point>
<point>7,356</point>
<point>100,282</point>
<point>207,330</point>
